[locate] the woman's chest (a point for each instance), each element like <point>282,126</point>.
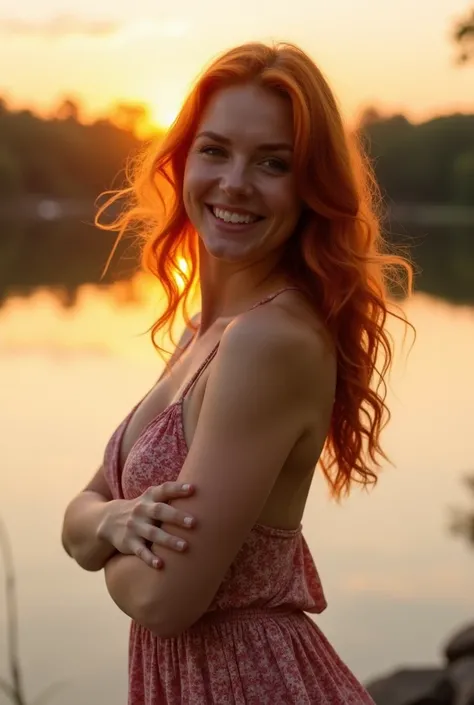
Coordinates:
<point>156,440</point>
<point>184,382</point>
<point>157,456</point>
<point>148,410</point>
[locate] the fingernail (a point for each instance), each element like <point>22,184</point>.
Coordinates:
<point>186,487</point>
<point>157,564</point>
<point>181,545</point>
<point>188,521</point>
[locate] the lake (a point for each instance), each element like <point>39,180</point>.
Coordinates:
<point>396,580</point>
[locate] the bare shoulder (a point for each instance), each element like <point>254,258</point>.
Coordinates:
<point>285,341</point>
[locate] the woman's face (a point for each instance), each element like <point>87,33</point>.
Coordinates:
<point>239,187</point>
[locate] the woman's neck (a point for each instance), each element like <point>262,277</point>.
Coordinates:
<point>228,289</point>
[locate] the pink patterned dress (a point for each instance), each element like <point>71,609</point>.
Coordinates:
<point>255,645</point>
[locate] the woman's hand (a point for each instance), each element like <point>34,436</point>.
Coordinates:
<point>130,524</point>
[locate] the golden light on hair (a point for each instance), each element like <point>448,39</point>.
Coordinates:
<point>338,254</point>
<point>181,272</point>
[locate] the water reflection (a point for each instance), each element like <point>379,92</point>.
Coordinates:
<point>64,255</point>
<point>60,255</point>
<point>396,581</point>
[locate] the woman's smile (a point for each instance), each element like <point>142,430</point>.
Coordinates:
<point>233,220</point>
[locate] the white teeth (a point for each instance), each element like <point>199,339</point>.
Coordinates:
<point>230,217</point>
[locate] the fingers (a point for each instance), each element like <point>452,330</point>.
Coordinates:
<point>160,510</point>
<point>165,513</point>
<point>142,552</point>
<point>170,490</point>
<point>159,537</point>
<point>154,508</point>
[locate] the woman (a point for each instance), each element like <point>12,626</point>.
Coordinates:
<point>257,186</point>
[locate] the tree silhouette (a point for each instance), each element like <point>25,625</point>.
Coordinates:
<point>129,116</point>
<point>68,109</point>
<point>464,37</point>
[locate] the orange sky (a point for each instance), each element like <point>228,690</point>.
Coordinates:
<point>396,54</point>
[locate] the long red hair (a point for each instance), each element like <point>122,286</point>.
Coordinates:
<point>337,254</point>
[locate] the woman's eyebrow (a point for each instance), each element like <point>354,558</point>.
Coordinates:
<point>270,147</point>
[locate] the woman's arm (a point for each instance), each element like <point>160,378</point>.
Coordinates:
<point>130,583</point>
<point>84,521</point>
<point>83,518</point>
<point>93,526</point>
<point>259,400</point>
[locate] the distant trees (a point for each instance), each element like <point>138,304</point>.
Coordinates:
<point>61,156</point>
<point>68,109</point>
<point>463,178</point>
<point>431,162</point>
<point>10,172</point>
<point>130,116</point>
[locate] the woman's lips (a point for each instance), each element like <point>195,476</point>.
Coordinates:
<point>228,226</point>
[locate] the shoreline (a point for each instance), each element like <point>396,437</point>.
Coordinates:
<point>34,208</point>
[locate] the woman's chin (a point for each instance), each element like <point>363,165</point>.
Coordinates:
<point>228,251</point>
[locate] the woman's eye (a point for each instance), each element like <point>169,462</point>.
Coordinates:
<point>212,151</point>
<point>276,164</point>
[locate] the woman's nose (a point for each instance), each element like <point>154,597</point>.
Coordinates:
<point>235,181</point>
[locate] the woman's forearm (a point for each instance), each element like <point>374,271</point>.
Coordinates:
<point>133,586</point>
<point>81,537</point>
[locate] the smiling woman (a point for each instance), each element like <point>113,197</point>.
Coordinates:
<point>227,169</point>
<point>259,189</point>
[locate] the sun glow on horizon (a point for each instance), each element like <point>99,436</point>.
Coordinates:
<point>162,115</point>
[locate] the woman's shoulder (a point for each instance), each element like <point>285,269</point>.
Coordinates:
<point>287,320</point>
<point>284,333</point>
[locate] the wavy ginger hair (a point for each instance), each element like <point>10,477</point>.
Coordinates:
<point>336,255</point>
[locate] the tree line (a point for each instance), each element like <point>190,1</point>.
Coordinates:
<point>63,157</point>
<point>431,162</point>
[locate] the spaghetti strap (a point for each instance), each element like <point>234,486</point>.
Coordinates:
<point>199,371</point>
<point>214,350</point>
<point>269,298</point>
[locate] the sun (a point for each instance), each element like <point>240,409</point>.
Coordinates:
<point>162,115</point>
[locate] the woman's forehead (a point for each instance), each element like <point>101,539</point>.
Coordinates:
<point>250,111</point>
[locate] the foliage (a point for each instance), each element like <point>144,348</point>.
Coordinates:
<point>421,163</point>
<point>10,172</point>
<point>62,157</point>
<point>463,178</point>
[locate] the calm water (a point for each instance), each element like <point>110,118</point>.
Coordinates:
<point>396,581</point>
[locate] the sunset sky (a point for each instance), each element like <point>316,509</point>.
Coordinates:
<point>396,54</point>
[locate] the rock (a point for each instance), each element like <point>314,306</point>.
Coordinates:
<point>452,685</point>
<point>460,645</point>
<point>412,686</point>
<point>460,675</point>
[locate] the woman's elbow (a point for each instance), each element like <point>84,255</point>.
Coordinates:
<point>167,623</point>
